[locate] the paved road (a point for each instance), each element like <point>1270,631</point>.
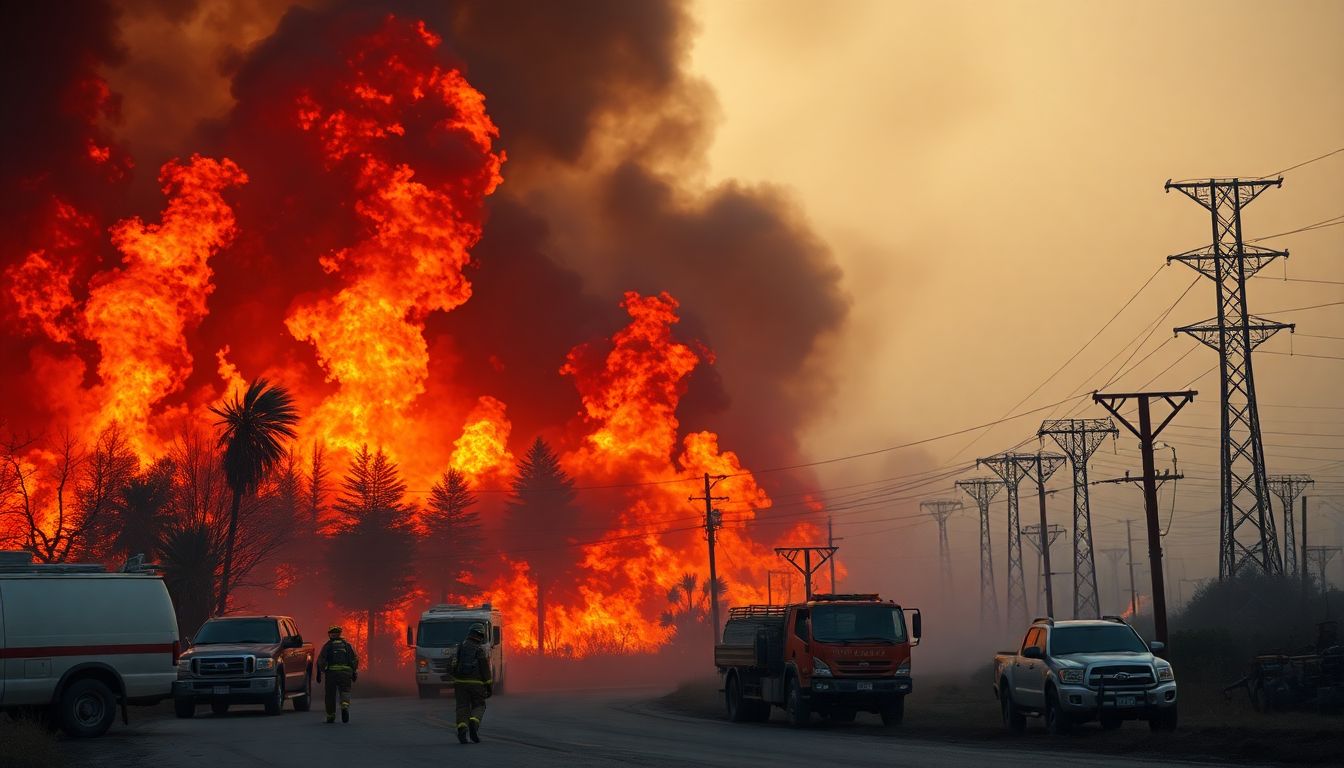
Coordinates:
<point>526,729</point>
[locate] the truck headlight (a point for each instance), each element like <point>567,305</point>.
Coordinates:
<point>184,665</point>
<point>421,663</point>
<point>1165,674</point>
<point>903,669</point>
<point>265,664</point>
<point>819,668</point>
<point>1071,676</point>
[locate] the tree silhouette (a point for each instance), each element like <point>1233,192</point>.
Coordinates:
<point>252,429</point>
<point>541,512</point>
<point>369,558</point>
<point>138,526</point>
<point>318,486</point>
<point>452,546</point>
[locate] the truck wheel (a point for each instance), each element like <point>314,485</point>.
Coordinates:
<point>1013,719</point>
<point>894,712</point>
<point>184,708</point>
<point>429,691</point>
<point>87,709</point>
<point>1163,719</point>
<point>277,701</point>
<point>738,711</point>
<point>1057,720</point>
<point>796,708</point>
<point>304,702</point>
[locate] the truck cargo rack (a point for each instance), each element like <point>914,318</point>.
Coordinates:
<point>756,611</point>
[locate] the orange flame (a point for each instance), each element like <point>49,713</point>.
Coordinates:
<point>138,314</point>
<point>369,334</point>
<point>482,452</point>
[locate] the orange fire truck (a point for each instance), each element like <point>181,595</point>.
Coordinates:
<point>835,655</point>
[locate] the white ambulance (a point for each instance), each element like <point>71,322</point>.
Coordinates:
<point>442,628</point>
<point>77,642</point>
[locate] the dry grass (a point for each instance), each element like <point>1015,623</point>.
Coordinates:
<point>26,744</point>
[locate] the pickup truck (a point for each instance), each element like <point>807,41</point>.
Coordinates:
<point>1070,672</point>
<point>245,660</point>
<point>835,655</point>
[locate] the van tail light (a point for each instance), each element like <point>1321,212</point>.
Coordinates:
<point>177,651</point>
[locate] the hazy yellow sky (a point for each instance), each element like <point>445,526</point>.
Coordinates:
<point>990,178</point>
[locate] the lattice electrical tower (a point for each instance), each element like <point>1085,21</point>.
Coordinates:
<point>1012,468</point>
<point>1247,522</point>
<point>1033,536</point>
<point>1079,439</point>
<point>940,510</point>
<point>983,490</point>
<point>1288,488</point>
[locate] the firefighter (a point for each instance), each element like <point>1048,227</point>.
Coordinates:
<point>473,683</point>
<point>339,662</point>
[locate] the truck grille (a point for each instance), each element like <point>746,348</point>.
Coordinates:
<point>867,667</point>
<point>1120,676</point>
<point>438,666</point>
<point>223,666</point>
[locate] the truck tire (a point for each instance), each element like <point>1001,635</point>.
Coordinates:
<point>795,707</point>
<point>1057,721</point>
<point>184,708</point>
<point>429,691</point>
<point>87,709</point>
<point>739,711</point>
<point>304,702</point>
<point>1013,719</point>
<point>277,702</point>
<point>893,713</point>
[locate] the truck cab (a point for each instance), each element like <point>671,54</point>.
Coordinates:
<point>835,655</point>
<point>435,639</point>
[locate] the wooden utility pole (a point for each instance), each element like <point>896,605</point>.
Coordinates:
<point>713,520</point>
<point>807,567</point>
<point>1133,593</point>
<point>1147,435</point>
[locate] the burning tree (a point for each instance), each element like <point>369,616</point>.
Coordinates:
<point>370,557</point>
<point>541,511</point>
<point>452,545</point>
<point>58,500</point>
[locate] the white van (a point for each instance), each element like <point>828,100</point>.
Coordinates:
<point>78,641</point>
<point>442,628</point>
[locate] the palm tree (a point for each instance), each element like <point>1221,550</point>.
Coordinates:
<point>253,426</point>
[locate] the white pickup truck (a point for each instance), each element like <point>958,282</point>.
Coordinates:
<point>1070,672</point>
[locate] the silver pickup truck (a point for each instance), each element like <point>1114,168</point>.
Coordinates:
<point>1070,672</point>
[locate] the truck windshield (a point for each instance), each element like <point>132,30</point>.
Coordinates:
<point>1114,639</point>
<point>219,631</point>
<point>442,634</point>
<point>858,624</point>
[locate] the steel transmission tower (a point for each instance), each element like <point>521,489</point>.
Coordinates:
<point>1079,439</point>
<point>940,510</point>
<point>1247,522</point>
<point>1288,488</point>
<point>1033,532</point>
<point>983,490</point>
<point>1012,468</point>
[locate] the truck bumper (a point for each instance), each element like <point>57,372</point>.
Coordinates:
<point>242,690</point>
<point>1128,704</point>
<point>859,693</point>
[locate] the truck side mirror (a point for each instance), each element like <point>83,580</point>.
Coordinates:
<point>410,637</point>
<point>1158,648</point>
<point>917,625</point>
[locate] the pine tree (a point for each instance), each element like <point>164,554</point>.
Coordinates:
<point>540,513</point>
<point>453,545</point>
<point>369,558</point>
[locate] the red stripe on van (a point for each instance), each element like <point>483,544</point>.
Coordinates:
<point>84,650</point>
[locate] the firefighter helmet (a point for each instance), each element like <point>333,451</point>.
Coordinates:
<point>477,630</point>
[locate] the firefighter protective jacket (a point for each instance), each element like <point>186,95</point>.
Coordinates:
<point>472,664</point>
<point>338,656</point>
